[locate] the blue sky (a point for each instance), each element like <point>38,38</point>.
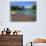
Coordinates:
<point>18,3</point>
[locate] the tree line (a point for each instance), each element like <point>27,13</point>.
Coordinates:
<point>22,7</point>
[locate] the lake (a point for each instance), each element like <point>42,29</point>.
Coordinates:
<point>26,12</point>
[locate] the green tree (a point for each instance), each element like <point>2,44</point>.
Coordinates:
<point>34,7</point>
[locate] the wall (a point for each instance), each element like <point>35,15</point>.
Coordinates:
<point>30,30</point>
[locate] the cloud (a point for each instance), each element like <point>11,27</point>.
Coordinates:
<point>28,6</point>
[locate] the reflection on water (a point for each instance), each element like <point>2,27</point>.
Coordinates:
<point>26,12</point>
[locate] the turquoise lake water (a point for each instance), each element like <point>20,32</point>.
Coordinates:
<point>26,12</point>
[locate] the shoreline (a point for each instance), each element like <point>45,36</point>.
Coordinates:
<point>18,17</point>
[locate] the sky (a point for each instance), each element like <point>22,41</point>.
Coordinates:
<point>18,3</point>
